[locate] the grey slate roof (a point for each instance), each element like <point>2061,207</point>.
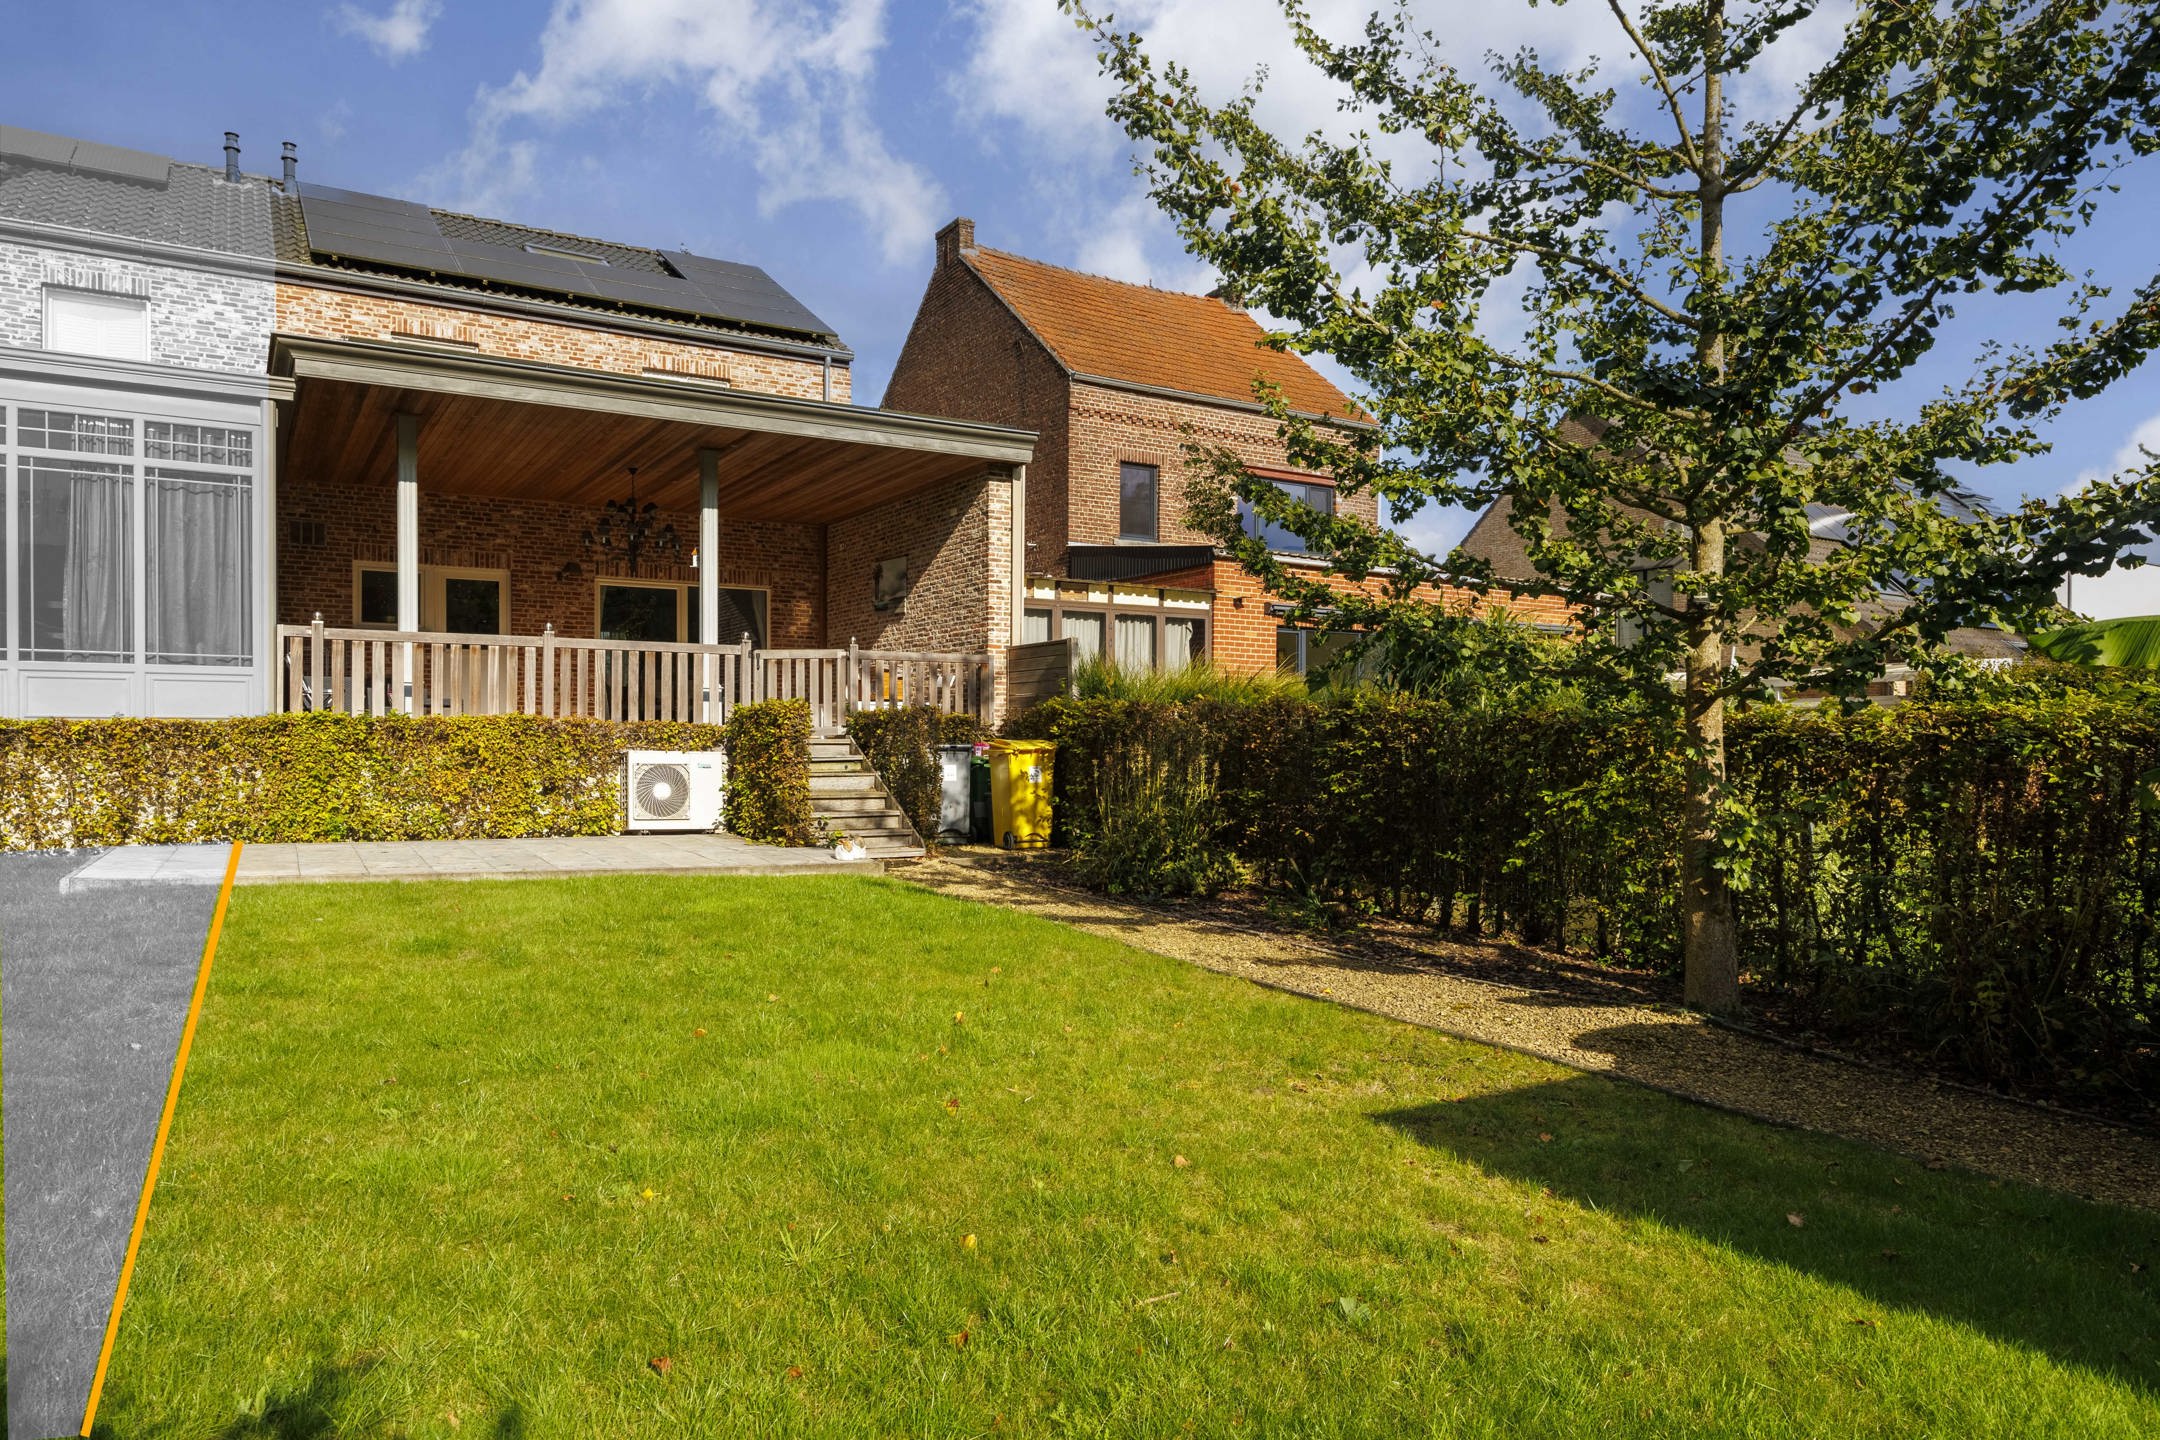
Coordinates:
<point>131,195</point>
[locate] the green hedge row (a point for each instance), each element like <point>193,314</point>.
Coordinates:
<point>73,783</point>
<point>768,790</point>
<point>1976,880</point>
<point>898,743</point>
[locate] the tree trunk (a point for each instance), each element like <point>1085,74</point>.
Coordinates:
<point>1711,945</point>
<point>1711,951</point>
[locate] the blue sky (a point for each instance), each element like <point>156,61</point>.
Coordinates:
<point>826,141</point>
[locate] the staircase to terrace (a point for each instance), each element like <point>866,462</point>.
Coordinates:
<point>846,795</point>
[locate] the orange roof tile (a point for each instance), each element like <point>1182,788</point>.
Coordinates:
<point>1144,336</point>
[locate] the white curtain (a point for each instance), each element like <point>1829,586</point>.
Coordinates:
<point>198,568</point>
<point>1136,642</point>
<point>77,595</point>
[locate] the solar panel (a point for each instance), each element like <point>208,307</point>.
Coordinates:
<point>373,229</point>
<point>62,152</point>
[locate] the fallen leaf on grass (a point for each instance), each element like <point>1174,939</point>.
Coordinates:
<point>1795,1219</point>
<point>960,1340</point>
<point>952,1104</point>
<point>661,1364</point>
<point>1863,1320</point>
<point>646,1194</point>
<point>1180,1161</point>
<point>968,1243</point>
<point>794,1372</point>
<point>1352,1309</point>
<point>959,1017</point>
<point>699,1033</point>
<point>1544,1137</point>
<point>772,997</point>
<point>450,1416</point>
<point>1539,1240</point>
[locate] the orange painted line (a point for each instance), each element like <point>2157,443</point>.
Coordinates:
<point>164,1127</point>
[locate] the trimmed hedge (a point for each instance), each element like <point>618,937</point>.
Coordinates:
<point>73,783</point>
<point>1971,879</point>
<point>898,744</point>
<point>768,789</point>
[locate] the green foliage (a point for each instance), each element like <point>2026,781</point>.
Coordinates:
<point>1974,878</point>
<point>768,784</point>
<point>1137,801</point>
<point>1100,677</point>
<point>2132,642</point>
<point>73,783</point>
<point>898,743</point>
<point>1648,324</point>
<point>1474,661</point>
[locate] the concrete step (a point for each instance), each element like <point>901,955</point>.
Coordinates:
<point>852,822</point>
<point>878,804</point>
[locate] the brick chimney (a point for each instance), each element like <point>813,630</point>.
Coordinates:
<point>954,238</point>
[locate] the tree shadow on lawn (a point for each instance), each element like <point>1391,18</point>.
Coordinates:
<point>319,1407</point>
<point>2068,1278</point>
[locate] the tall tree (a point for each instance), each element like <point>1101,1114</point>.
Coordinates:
<point>1706,293</point>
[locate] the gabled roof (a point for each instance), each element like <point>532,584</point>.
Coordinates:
<point>1108,329</point>
<point>132,195</point>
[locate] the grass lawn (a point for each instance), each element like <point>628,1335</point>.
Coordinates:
<point>860,1160</point>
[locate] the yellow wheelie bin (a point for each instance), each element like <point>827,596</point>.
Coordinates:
<point>1020,793</point>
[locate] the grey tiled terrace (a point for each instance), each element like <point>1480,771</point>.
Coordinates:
<point>540,856</point>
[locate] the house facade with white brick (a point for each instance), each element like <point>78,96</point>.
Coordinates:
<point>490,447</point>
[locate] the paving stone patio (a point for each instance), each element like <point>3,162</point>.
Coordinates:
<point>458,860</point>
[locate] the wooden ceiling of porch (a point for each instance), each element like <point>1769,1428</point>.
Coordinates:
<point>344,433</point>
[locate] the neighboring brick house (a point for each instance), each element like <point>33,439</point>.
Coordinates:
<point>423,419</point>
<point>1115,379</point>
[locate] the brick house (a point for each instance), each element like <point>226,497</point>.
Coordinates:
<point>360,452</point>
<point>1115,378</point>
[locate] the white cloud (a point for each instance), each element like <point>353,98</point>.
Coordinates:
<point>788,85</point>
<point>2125,590</point>
<point>399,33</point>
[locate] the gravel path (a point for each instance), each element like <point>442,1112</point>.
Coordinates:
<point>1594,1021</point>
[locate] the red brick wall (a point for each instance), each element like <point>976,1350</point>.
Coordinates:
<point>336,314</point>
<point>531,540</point>
<point>957,546</point>
<point>969,358</point>
<point>1111,427</point>
<point>1244,638</point>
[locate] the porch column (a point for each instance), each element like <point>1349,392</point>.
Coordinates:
<point>708,584</point>
<point>408,545</point>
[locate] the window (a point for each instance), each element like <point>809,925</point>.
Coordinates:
<point>1136,501</point>
<point>1184,641</point>
<point>133,540</point>
<point>1137,639</point>
<point>84,322</point>
<point>75,533</point>
<point>1085,629</point>
<point>197,566</point>
<point>666,612</point>
<point>1136,642</point>
<point>1281,538</point>
<point>452,601</point>
<point>1318,655</point>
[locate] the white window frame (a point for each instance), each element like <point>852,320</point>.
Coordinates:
<point>135,304</point>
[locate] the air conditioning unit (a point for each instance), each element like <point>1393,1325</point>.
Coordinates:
<point>673,790</point>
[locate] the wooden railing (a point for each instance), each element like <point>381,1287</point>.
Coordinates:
<point>381,672</point>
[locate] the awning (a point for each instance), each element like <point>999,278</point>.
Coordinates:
<point>521,429</point>
<point>1134,562</point>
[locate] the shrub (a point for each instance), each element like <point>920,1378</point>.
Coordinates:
<point>1974,879</point>
<point>71,783</point>
<point>899,742</point>
<point>768,784</point>
<point>1100,677</point>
